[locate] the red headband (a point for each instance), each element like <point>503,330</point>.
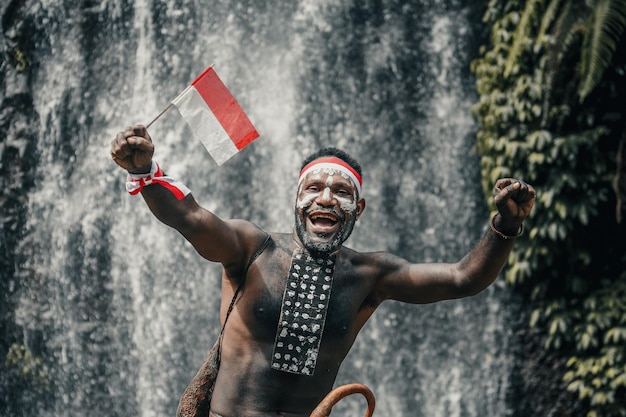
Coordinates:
<point>334,163</point>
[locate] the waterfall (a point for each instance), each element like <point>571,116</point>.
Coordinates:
<point>122,311</point>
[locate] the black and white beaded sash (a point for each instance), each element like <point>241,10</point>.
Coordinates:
<point>303,313</point>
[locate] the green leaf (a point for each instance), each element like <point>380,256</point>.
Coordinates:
<point>608,22</point>
<point>522,32</point>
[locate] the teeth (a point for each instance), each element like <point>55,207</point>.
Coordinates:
<point>323,216</point>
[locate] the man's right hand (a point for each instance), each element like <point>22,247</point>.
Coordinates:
<point>132,149</point>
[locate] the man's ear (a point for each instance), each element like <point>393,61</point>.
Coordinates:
<point>360,206</point>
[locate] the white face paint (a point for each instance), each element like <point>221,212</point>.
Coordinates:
<point>347,203</point>
<point>329,184</point>
<point>324,189</point>
<point>304,200</point>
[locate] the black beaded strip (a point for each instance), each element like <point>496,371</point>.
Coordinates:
<point>303,313</point>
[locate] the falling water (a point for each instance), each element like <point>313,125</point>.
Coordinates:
<point>121,309</point>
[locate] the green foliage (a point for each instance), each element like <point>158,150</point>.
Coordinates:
<point>600,376</point>
<point>520,36</point>
<point>601,40</point>
<point>569,264</point>
<point>21,62</point>
<point>26,370</point>
<point>30,382</point>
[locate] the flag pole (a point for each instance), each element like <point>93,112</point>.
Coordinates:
<point>160,114</point>
<point>168,106</point>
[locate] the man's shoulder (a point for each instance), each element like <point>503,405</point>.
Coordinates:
<point>362,255</point>
<point>380,261</point>
<point>251,231</point>
<point>283,240</point>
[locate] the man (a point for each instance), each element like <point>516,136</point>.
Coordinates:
<point>306,296</point>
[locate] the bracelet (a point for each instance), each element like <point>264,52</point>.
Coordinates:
<point>136,182</point>
<point>502,235</point>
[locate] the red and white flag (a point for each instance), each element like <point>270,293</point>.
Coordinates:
<point>215,117</point>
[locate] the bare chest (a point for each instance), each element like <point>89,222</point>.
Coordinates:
<point>269,295</point>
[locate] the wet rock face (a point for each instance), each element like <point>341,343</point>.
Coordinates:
<point>18,160</point>
<point>18,119</point>
<point>17,166</point>
<point>18,125</point>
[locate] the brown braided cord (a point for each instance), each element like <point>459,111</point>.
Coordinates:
<point>196,400</point>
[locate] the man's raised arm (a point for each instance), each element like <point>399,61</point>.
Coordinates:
<point>172,203</point>
<point>426,283</point>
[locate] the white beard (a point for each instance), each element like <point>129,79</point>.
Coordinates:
<point>324,247</point>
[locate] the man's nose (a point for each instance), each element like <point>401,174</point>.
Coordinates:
<point>325,198</point>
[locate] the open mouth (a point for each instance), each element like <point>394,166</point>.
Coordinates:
<point>323,222</point>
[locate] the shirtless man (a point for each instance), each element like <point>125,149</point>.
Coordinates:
<point>288,332</point>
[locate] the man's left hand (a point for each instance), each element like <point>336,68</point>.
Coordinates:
<point>514,200</point>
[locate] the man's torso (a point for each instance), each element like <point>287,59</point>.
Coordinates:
<point>247,384</point>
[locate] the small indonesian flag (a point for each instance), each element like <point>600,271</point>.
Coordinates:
<point>215,117</point>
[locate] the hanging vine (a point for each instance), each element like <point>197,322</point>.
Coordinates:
<point>550,83</point>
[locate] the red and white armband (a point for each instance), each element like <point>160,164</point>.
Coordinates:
<point>136,182</point>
